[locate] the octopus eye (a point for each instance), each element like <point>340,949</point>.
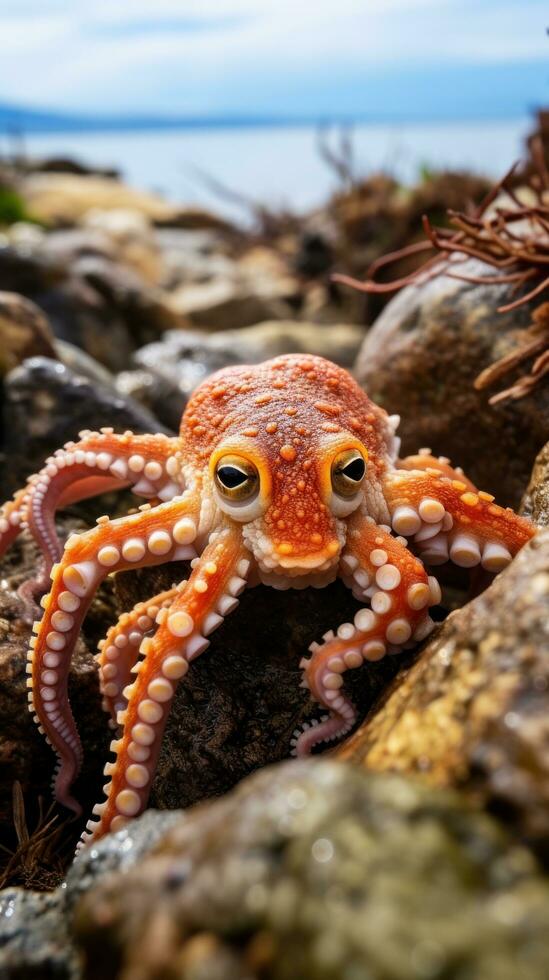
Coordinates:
<point>348,470</point>
<point>236,478</point>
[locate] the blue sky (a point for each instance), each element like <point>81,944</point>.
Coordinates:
<point>375,58</point>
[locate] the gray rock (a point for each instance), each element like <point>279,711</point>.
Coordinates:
<point>34,942</point>
<point>421,358</point>
<point>46,404</point>
<point>318,870</point>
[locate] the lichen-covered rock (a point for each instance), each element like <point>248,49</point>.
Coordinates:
<point>474,710</point>
<point>535,503</point>
<point>421,359</point>
<point>239,705</point>
<point>24,332</point>
<point>318,870</point>
<point>46,404</point>
<point>34,942</point>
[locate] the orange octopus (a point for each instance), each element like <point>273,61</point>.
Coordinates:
<point>283,473</point>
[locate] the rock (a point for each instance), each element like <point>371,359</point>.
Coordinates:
<point>193,256</point>
<point>132,235</point>
<point>24,754</point>
<point>34,942</point>
<point>81,363</point>
<point>46,405</point>
<point>535,503</point>
<point>170,369</point>
<point>223,304</point>
<point>24,332</point>
<point>117,853</point>
<point>473,711</point>
<point>318,870</point>
<point>146,311</point>
<point>241,703</point>
<point>421,358</point>
<point>90,298</point>
<point>61,199</point>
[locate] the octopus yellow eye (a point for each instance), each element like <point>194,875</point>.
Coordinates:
<point>236,478</point>
<point>348,470</point>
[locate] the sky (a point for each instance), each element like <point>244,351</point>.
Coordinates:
<point>415,59</point>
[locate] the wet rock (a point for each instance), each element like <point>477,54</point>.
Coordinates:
<point>118,853</point>
<point>318,870</point>
<point>535,503</point>
<point>473,711</point>
<point>241,703</point>
<point>24,332</point>
<point>170,369</point>
<point>34,941</point>
<point>421,358</point>
<point>46,404</point>
<point>24,754</point>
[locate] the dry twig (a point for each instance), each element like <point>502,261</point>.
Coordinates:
<point>512,239</point>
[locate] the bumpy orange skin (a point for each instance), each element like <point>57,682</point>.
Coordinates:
<point>290,418</point>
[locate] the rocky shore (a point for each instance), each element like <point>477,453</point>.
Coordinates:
<point>419,846</point>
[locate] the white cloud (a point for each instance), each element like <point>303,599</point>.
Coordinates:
<point>215,55</point>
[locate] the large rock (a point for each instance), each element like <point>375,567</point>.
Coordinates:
<point>317,870</point>
<point>421,359</point>
<point>24,332</point>
<point>473,711</point>
<point>46,404</point>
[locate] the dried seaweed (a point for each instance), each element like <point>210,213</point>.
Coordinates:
<point>512,238</point>
<point>38,856</point>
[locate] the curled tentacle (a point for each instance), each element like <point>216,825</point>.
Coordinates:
<point>211,593</point>
<point>448,521</point>
<point>119,651</point>
<point>380,569</point>
<point>165,533</point>
<point>100,462</point>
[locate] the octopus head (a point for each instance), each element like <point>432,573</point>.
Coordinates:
<point>292,501</point>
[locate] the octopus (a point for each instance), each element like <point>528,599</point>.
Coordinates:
<point>283,473</point>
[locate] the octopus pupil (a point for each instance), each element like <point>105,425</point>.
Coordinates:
<point>355,469</point>
<point>231,477</point>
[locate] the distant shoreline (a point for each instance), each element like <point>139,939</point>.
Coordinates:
<point>28,122</point>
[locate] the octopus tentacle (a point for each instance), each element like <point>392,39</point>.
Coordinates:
<point>424,460</point>
<point>164,533</point>
<point>218,577</point>
<point>380,569</point>
<point>119,651</point>
<point>447,520</point>
<point>13,518</point>
<point>99,462</point>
